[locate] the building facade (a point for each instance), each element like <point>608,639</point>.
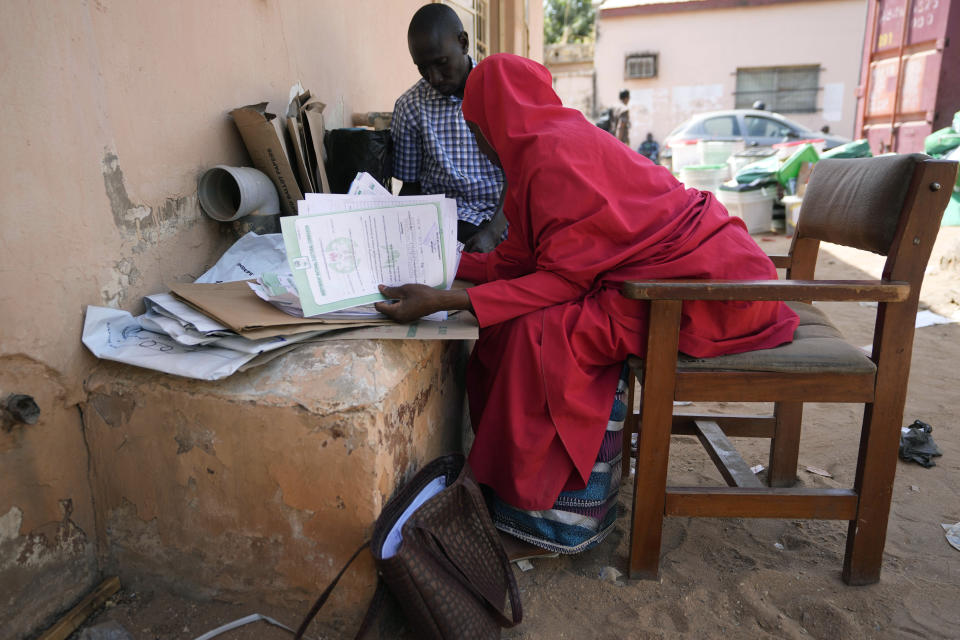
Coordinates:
<point>680,58</point>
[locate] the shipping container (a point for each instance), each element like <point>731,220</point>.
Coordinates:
<point>910,76</point>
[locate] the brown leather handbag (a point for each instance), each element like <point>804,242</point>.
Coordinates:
<point>439,555</point>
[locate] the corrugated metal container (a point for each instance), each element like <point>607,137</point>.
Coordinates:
<point>911,60</point>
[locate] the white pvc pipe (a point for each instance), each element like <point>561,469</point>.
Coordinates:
<point>228,193</point>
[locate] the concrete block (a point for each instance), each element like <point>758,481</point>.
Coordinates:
<point>259,487</point>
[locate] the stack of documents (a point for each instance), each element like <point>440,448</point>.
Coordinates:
<point>341,246</point>
<point>320,277</point>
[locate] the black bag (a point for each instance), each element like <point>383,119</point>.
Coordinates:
<point>449,573</point>
<point>350,151</point>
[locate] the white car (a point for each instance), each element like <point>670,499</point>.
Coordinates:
<point>755,127</point>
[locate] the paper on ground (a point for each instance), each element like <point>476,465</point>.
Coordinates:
<point>952,532</point>
<point>338,259</point>
<point>925,318</point>
<point>112,334</point>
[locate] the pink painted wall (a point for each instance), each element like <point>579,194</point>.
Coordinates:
<point>700,51</point>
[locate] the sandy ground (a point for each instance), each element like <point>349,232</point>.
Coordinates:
<point>733,578</point>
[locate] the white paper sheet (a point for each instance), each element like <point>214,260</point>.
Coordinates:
<point>366,184</point>
<point>115,335</point>
<point>165,304</point>
<point>249,256</point>
<point>316,203</point>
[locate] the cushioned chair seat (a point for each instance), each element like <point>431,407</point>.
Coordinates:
<point>817,346</point>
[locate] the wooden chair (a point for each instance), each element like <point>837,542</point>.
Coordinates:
<point>889,205</point>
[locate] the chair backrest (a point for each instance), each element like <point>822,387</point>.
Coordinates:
<point>870,204</point>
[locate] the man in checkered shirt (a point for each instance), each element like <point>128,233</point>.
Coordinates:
<point>433,150</point>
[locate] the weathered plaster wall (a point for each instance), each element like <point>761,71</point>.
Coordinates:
<point>111,111</point>
<point>700,51</point>
<point>262,486</point>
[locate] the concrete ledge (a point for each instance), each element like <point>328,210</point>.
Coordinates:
<point>259,487</point>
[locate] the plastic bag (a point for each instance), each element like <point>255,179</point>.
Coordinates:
<point>917,445</point>
<point>350,151</point>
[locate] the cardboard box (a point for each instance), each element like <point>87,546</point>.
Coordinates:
<point>263,135</point>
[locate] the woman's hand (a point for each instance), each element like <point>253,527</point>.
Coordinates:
<point>412,301</point>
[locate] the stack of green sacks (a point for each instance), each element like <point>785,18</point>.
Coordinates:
<point>945,143</point>
<point>772,170</point>
<point>759,172</point>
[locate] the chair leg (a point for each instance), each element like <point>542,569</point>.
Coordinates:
<point>653,444</point>
<point>876,468</point>
<point>629,428</point>
<point>785,445</point>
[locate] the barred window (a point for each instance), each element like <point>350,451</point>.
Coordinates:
<point>475,15</point>
<point>641,65</point>
<point>781,89</point>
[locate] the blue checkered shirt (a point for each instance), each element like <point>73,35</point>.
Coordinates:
<point>433,146</point>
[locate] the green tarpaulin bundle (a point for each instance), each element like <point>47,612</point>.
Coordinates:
<point>856,149</point>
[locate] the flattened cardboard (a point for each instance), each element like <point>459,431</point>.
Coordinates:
<point>312,117</point>
<point>263,137</point>
<point>298,139</point>
<point>235,305</point>
<point>458,326</point>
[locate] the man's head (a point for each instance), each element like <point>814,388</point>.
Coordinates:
<point>625,96</point>
<point>649,137</point>
<point>438,45</point>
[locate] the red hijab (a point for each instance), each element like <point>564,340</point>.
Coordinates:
<point>583,201</point>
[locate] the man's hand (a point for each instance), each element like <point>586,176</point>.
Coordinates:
<point>412,301</point>
<point>488,237</point>
<point>483,241</point>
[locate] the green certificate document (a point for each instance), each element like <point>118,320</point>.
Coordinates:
<point>338,259</point>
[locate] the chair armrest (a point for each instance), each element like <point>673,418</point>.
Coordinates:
<point>788,290</point>
<point>781,261</point>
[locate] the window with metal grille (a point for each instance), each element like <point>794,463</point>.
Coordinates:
<point>781,89</point>
<point>475,15</point>
<point>641,65</point>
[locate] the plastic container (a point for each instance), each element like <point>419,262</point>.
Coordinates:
<point>786,149</point>
<point>717,151</point>
<point>754,205</point>
<point>705,177</point>
<point>684,154</point>
<point>791,205</point>
<point>740,159</point>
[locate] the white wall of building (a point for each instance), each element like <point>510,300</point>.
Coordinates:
<point>699,52</point>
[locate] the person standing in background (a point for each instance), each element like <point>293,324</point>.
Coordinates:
<point>621,118</point>
<point>649,148</point>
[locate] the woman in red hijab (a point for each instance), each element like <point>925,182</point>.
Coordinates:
<point>584,211</point>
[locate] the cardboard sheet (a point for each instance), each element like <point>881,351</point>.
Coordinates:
<point>236,306</point>
<point>263,136</point>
